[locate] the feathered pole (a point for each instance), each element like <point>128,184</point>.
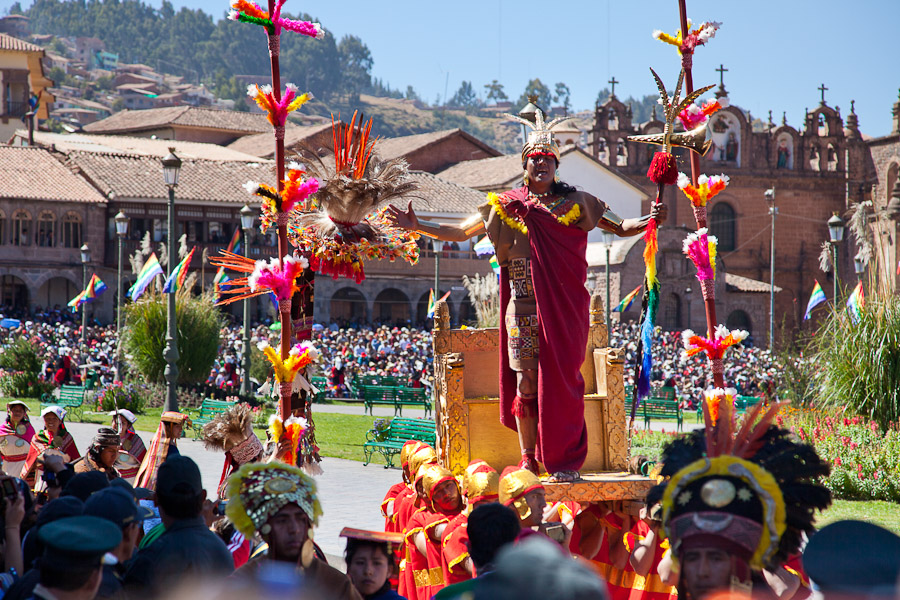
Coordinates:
<point>663,171</point>
<point>270,99</point>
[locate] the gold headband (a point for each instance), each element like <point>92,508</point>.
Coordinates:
<point>513,488</point>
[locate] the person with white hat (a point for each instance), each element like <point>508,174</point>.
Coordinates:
<point>55,436</point>
<point>15,437</point>
<point>133,450</point>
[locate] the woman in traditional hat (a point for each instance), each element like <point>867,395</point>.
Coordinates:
<point>539,232</point>
<point>370,562</point>
<point>133,451</point>
<point>54,435</point>
<point>16,433</point>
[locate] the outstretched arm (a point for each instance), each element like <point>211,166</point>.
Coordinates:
<point>449,233</point>
<point>631,227</point>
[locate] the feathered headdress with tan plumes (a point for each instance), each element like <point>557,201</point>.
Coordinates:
<point>229,428</point>
<point>540,138</point>
<point>345,227</point>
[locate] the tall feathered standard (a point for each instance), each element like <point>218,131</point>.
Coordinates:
<point>229,428</point>
<point>345,227</point>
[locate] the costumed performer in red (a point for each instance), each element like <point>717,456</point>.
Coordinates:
<point>54,435</point>
<point>133,450</point>
<point>539,232</point>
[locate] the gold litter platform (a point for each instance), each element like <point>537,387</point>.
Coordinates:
<point>466,367</point>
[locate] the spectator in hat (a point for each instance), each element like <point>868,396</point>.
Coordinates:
<point>118,506</point>
<point>16,433</point>
<point>163,446</point>
<point>123,421</point>
<point>370,562</point>
<point>71,566</point>
<point>187,547</point>
<point>101,455</point>
<point>854,559</point>
<point>82,485</point>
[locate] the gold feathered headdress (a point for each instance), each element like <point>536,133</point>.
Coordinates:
<point>232,431</point>
<point>540,139</point>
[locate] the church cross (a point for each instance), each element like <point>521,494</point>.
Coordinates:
<point>722,70</point>
<point>613,83</point>
<point>823,89</point>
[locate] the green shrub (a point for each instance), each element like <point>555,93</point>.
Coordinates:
<point>122,396</point>
<point>198,324</point>
<point>20,356</point>
<point>19,384</point>
<point>859,361</point>
<point>260,367</point>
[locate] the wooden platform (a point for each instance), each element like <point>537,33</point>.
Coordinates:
<point>600,487</point>
<point>467,410</point>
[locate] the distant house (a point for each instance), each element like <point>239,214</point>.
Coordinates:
<point>435,151</point>
<point>187,123</point>
<point>86,48</point>
<point>21,75</point>
<point>14,25</point>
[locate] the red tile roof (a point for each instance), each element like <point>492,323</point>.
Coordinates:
<point>37,174</point>
<point>263,144</point>
<point>486,173</point>
<point>185,116</point>
<point>437,195</point>
<point>11,44</point>
<point>398,147</point>
<point>140,177</point>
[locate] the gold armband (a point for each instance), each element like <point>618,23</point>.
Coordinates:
<point>472,225</point>
<point>611,218</point>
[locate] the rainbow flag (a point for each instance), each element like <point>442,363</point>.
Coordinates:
<point>816,298</point>
<point>151,269</point>
<point>484,246</point>
<point>235,244</point>
<point>628,300</point>
<point>494,264</point>
<point>94,288</point>
<point>856,301</point>
<point>220,279</point>
<point>432,303</point>
<point>179,274</point>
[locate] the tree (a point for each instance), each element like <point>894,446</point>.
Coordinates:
<point>356,65</point>
<point>198,325</point>
<point>561,96</point>
<point>465,96</point>
<point>495,91</point>
<point>411,93</point>
<point>536,88</point>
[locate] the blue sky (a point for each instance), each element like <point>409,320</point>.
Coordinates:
<point>777,51</point>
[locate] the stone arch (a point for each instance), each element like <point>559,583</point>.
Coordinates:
<point>465,312</point>
<point>621,153</point>
<point>71,232</point>
<point>726,129</point>
<point>723,225</point>
<point>831,158</point>
<point>21,228</point>
<point>57,291</point>
<point>14,293</point>
<point>815,157</point>
<point>45,231</point>
<point>350,304</point>
<point>785,149</point>
<point>391,306</point>
<point>893,173</point>
<point>672,313</point>
<point>739,319</point>
<point>603,150</point>
<point>422,310</point>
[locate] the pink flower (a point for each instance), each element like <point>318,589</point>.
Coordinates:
<point>855,420</point>
<point>875,475</point>
<point>853,445</point>
<point>845,440</point>
<point>873,426</point>
<point>780,421</point>
<point>860,475</point>
<point>846,421</point>
<point>837,461</point>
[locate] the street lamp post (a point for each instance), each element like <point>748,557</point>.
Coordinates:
<point>438,246</point>
<point>121,229</point>
<point>773,210</point>
<point>687,296</point>
<point>85,259</point>
<point>835,236</point>
<point>247,218</point>
<point>171,165</point>
<point>607,241</point>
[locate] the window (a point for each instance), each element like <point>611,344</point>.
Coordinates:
<point>216,232</point>
<point>721,225</point>
<point>21,228</point>
<point>672,313</point>
<point>739,319</point>
<point>2,227</point>
<point>71,231</point>
<point>46,229</point>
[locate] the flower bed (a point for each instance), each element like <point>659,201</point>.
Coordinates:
<point>865,461</point>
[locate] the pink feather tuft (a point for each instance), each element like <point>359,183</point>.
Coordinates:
<point>696,247</point>
<point>277,276</point>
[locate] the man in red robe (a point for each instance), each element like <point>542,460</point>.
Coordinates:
<point>407,505</point>
<point>388,505</point>
<point>481,485</point>
<point>539,233</point>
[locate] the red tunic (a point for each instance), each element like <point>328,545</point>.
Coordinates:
<point>650,587</point>
<point>392,493</point>
<point>558,275</point>
<point>455,550</point>
<point>427,575</point>
<point>409,506</point>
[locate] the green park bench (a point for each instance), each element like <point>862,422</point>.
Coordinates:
<point>662,405</point>
<point>412,397</point>
<point>390,441</point>
<point>209,409</point>
<point>71,397</point>
<point>378,394</point>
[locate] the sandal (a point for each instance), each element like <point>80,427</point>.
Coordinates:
<point>564,477</point>
<point>529,463</point>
